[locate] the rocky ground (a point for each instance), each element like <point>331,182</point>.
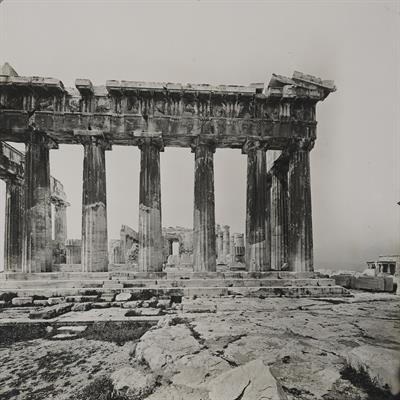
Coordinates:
<point>246,348</point>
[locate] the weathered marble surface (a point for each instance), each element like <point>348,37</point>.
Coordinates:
<point>305,344</point>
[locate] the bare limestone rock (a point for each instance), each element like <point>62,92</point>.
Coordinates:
<point>197,370</point>
<point>161,348</point>
<point>133,383</point>
<point>381,364</point>
<point>173,392</point>
<point>252,381</point>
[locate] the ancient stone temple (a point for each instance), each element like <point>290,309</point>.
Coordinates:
<point>277,116</point>
<point>12,171</point>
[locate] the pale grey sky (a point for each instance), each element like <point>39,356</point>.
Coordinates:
<point>355,162</point>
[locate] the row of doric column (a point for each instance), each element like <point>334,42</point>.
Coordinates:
<point>278,209</point>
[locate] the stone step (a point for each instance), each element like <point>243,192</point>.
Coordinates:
<point>43,276</point>
<point>271,291</point>
<point>22,284</point>
<point>163,283</point>
<point>226,282</point>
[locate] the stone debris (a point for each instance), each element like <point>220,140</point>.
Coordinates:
<point>64,336</point>
<point>42,303</point>
<point>81,299</point>
<point>144,312</point>
<point>22,301</point>
<point>199,308</point>
<point>123,296</point>
<point>132,304</point>
<point>381,364</point>
<point>55,300</point>
<point>252,381</point>
<point>81,307</point>
<point>50,312</point>
<point>72,329</point>
<point>133,383</point>
<point>150,303</point>
<point>101,305</point>
<point>164,303</point>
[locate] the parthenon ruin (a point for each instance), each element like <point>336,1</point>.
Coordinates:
<point>273,124</point>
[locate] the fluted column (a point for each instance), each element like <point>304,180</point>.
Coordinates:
<point>150,231</point>
<point>219,244</point>
<point>300,219</point>
<point>60,222</point>
<point>204,255</point>
<point>37,251</point>
<point>226,243</point>
<point>13,224</point>
<point>257,251</point>
<point>279,216</point>
<point>94,206</point>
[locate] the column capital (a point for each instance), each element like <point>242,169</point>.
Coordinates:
<point>302,144</point>
<point>41,138</point>
<point>92,136</point>
<point>10,179</point>
<point>156,141</point>
<point>59,202</point>
<point>252,145</point>
<point>208,142</point>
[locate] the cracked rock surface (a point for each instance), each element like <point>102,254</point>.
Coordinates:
<point>275,348</point>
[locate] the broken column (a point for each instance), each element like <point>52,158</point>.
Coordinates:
<point>204,252</point>
<point>13,224</point>
<point>150,233</point>
<point>225,243</point>
<point>94,206</point>
<point>37,251</point>
<point>300,251</point>
<point>279,214</point>
<point>257,251</point>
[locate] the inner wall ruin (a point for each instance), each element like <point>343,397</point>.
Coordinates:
<point>273,124</point>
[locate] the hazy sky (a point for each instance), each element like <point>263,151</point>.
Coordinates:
<point>355,162</point>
